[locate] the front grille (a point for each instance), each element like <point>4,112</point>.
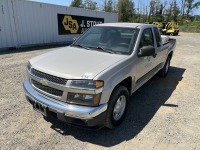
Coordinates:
<point>48,77</point>
<point>49,90</point>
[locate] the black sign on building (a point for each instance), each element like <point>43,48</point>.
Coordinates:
<point>71,24</point>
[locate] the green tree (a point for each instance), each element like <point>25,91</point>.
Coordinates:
<point>108,5</point>
<point>190,5</point>
<point>168,13</point>
<point>196,5</point>
<point>115,7</point>
<point>158,11</point>
<point>125,10</point>
<point>152,11</point>
<point>90,4</point>
<point>183,3</point>
<point>175,11</point>
<point>76,3</point>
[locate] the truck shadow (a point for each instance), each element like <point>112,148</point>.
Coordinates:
<point>143,106</point>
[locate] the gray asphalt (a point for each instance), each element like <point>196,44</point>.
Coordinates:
<point>163,114</point>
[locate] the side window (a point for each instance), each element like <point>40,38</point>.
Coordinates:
<point>147,38</point>
<point>157,35</point>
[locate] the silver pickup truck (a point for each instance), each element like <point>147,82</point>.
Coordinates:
<point>89,83</point>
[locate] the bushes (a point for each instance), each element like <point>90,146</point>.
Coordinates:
<point>194,24</point>
<point>192,29</point>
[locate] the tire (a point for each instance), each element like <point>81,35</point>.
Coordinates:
<point>164,71</point>
<point>120,94</point>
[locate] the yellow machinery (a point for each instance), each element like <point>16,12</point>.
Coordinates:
<point>172,28</point>
<point>158,24</point>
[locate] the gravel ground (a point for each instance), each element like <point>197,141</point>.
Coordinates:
<point>164,114</point>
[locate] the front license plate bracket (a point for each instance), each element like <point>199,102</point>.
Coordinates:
<point>40,108</point>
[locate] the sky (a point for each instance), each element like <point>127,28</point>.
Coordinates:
<point>61,2</point>
<point>100,2</point>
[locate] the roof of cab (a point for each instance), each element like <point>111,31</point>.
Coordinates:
<point>129,25</point>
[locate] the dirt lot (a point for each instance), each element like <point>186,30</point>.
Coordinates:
<point>164,114</point>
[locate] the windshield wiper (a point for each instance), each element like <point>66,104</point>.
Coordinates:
<point>105,50</point>
<point>82,46</point>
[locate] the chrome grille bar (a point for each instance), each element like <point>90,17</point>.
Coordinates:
<point>48,77</point>
<point>47,89</point>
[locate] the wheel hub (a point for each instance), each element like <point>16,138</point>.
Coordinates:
<point>119,107</point>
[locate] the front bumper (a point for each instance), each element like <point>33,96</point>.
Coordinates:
<point>69,113</point>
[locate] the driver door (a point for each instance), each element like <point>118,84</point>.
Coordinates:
<point>145,64</point>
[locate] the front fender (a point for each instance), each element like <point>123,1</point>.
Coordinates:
<point>113,76</point>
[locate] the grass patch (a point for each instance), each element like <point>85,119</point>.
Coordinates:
<point>192,29</point>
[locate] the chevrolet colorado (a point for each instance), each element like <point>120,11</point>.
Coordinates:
<point>89,83</point>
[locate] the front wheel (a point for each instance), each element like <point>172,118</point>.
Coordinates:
<point>117,107</point>
<point>164,71</point>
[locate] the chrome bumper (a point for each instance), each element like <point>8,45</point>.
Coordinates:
<point>70,110</point>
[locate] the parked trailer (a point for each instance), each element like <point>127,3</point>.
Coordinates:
<point>26,23</point>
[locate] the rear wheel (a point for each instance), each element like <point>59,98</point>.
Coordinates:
<point>117,107</point>
<point>164,71</point>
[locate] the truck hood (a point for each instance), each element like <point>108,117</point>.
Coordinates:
<point>74,63</point>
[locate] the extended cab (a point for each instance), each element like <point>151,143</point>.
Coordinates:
<point>89,83</point>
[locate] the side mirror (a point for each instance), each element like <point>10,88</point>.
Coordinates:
<point>146,51</point>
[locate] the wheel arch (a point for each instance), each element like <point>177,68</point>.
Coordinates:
<point>127,83</point>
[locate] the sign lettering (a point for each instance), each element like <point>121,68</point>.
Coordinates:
<point>70,24</point>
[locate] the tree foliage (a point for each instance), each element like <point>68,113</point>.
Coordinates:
<point>155,10</point>
<point>125,10</point>
<point>90,4</point>
<point>190,5</point>
<point>87,4</point>
<point>175,11</point>
<point>108,5</point>
<point>76,3</point>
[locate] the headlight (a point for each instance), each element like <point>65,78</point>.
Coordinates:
<point>84,99</point>
<point>29,66</point>
<point>89,84</point>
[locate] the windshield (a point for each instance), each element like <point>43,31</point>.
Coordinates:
<point>108,39</point>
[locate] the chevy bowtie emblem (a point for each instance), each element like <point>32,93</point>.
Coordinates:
<point>44,82</point>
